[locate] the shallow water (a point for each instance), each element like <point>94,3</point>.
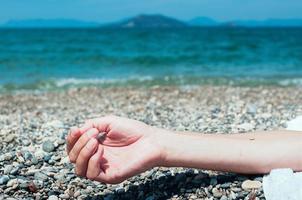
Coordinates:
<point>48,59</point>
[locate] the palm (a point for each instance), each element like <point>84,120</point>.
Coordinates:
<point>119,163</point>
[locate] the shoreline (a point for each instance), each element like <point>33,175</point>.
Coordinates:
<point>34,127</point>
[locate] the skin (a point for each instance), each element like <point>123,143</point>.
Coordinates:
<point>131,147</point>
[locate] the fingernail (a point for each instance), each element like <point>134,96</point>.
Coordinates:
<point>91,144</point>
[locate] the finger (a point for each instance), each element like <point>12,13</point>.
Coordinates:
<point>72,138</point>
<point>87,125</point>
<point>81,143</point>
<point>84,156</point>
<point>102,123</point>
<point>94,164</point>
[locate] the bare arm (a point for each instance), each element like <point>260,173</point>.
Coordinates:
<point>242,153</point>
<point>131,147</point>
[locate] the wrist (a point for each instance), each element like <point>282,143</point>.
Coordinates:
<point>168,143</point>
<point>161,139</point>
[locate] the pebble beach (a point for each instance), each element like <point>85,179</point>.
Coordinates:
<point>34,164</point>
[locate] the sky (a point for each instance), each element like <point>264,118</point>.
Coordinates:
<point>111,10</point>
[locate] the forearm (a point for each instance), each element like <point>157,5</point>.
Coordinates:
<point>241,153</point>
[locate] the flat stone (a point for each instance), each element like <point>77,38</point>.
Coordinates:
<point>53,197</point>
<point>4,179</point>
<point>6,157</point>
<point>64,196</point>
<point>40,176</point>
<point>250,185</point>
<point>224,197</point>
<point>12,182</point>
<point>9,138</point>
<point>7,169</point>
<point>48,146</point>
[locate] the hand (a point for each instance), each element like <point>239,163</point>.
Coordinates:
<point>130,147</point>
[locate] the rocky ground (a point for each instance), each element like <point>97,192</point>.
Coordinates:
<point>33,163</point>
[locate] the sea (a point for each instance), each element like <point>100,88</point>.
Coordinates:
<point>58,59</point>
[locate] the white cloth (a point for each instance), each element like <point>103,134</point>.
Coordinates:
<point>284,184</point>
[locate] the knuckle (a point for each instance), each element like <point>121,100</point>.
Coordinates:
<point>94,159</point>
<point>72,158</point>
<point>90,176</point>
<point>76,171</point>
<point>85,153</point>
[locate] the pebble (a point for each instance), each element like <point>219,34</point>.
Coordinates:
<point>246,126</point>
<point>48,146</point>
<point>54,124</point>
<point>251,108</point>
<point>53,197</point>
<point>7,169</point>
<point>217,193</point>
<point>41,176</point>
<point>249,185</point>
<point>41,173</point>
<point>12,182</point>
<point>27,155</point>
<point>76,194</point>
<point>4,179</point>
<point>224,197</point>
<point>9,138</point>
<point>64,196</point>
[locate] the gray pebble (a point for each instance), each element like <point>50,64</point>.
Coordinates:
<point>4,179</point>
<point>41,176</point>
<point>64,196</point>
<point>12,182</point>
<point>27,155</point>
<point>26,142</point>
<point>48,146</point>
<point>224,197</point>
<point>53,197</point>
<point>7,169</point>
<point>9,138</point>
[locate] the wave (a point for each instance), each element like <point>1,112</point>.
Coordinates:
<point>289,82</point>
<point>96,81</point>
<point>146,81</point>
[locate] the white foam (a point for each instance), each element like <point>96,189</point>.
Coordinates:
<point>95,81</point>
<point>294,81</point>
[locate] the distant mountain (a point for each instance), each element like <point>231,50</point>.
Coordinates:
<point>149,21</point>
<point>205,21</point>
<point>266,23</point>
<point>49,23</point>
<point>202,21</point>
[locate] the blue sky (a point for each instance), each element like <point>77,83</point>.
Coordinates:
<point>111,10</point>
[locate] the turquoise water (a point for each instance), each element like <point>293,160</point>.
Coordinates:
<point>46,59</point>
